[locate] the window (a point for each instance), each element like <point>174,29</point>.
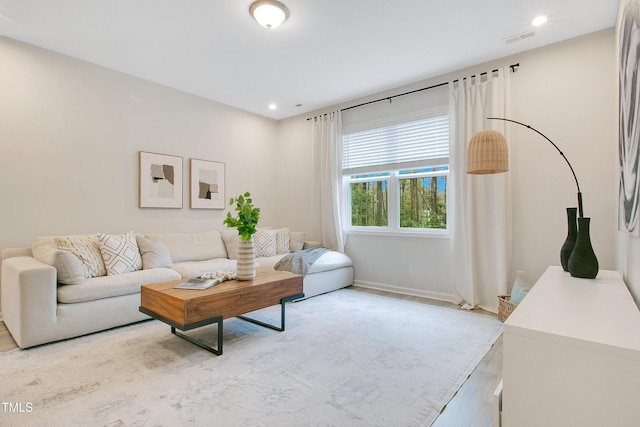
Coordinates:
<point>396,175</point>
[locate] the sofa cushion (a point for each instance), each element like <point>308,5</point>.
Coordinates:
<point>154,254</point>
<point>265,242</point>
<point>112,286</point>
<point>87,249</point>
<point>268,262</point>
<point>189,269</point>
<point>331,260</point>
<point>192,246</point>
<point>120,253</point>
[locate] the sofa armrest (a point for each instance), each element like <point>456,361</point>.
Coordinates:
<point>29,299</point>
<point>13,252</point>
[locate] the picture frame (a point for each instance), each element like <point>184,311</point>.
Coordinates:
<point>207,184</point>
<point>160,180</point>
<point>628,44</point>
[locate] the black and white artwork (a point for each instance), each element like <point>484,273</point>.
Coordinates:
<point>160,181</point>
<point>629,125</point>
<point>207,184</point>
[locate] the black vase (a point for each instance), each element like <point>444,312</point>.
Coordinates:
<point>570,241</point>
<point>583,262</point>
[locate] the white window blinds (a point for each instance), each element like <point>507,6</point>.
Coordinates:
<point>407,145</point>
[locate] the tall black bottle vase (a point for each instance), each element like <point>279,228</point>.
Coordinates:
<point>583,262</point>
<point>570,241</point>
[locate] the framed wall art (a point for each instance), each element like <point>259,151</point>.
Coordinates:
<point>160,181</point>
<point>207,184</point>
<point>629,120</point>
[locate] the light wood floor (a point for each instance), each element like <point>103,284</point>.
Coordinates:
<point>6,342</point>
<point>471,406</point>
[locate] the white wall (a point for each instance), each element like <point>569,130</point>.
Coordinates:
<point>567,92</point>
<point>70,133</point>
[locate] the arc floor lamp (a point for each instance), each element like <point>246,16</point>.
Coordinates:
<point>488,154</point>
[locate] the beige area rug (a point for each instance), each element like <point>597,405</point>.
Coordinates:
<point>347,358</point>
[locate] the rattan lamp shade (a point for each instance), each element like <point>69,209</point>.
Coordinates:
<point>487,153</point>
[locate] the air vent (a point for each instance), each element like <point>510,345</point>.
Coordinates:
<point>519,37</point>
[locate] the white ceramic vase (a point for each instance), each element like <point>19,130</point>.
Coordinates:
<point>246,260</point>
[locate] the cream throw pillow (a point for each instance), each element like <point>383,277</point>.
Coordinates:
<point>231,239</point>
<point>86,248</point>
<point>154,254</point>
<point>296,241</point>
<point>120,253</point>
<point>69,268</point>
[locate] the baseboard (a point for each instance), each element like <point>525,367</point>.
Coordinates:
<point>405,291</point>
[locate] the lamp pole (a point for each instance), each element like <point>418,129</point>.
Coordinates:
<point>580,212</point>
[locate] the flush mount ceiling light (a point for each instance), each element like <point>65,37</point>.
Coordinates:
<point>539,20</point>
<point>269,13</point>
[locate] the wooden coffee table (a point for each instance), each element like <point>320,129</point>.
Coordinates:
<point>186,309</point>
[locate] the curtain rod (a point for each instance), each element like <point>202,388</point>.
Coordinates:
<point>389,98</point>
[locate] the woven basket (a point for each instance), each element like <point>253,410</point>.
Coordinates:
<point>505,307</point>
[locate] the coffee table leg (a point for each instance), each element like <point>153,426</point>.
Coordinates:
<point>280,328</point>
<point>218,351</point>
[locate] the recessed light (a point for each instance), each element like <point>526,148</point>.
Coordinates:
<point>539,20</point>
<point>273,106</point>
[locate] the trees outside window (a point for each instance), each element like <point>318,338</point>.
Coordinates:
<point>416,197</point>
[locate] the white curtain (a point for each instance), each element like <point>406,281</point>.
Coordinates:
<point>480,204</point>
<point>327,180</point>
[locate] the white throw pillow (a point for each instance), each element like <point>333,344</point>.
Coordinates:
<point>86,248</point>
<point>120,253</point>
<point>265,242</point>
<point>69,268</point>
<point>154,254</point>
<point>231,239</point>
<point>296,241</point>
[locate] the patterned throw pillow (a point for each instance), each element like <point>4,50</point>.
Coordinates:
<point>282,241</point>
<point>120,253</point>
<point>265,242</point>
<point>87,249</point>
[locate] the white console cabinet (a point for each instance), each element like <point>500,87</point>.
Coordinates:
<point>572,354</point>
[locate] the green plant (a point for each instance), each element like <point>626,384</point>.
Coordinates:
<point>247,216</point>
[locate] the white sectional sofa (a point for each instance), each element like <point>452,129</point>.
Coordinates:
<point>67,286</point>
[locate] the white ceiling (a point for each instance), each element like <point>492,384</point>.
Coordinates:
<point>327,52</point>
